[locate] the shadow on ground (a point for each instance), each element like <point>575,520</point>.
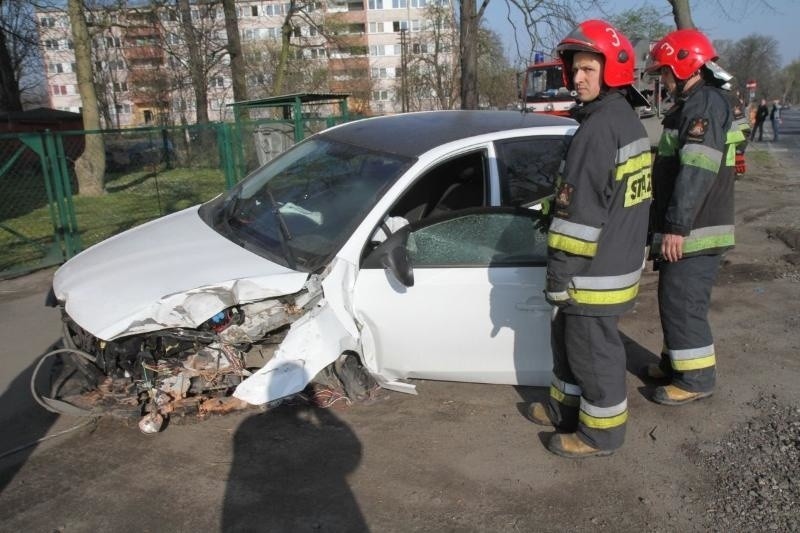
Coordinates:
<point>24,422</point>
<point>289,473</point>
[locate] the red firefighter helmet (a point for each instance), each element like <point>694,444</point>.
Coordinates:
<point>599,37</point>
<point>683,51</point>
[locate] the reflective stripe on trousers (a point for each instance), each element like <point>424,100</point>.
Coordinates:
<point>684,295</point>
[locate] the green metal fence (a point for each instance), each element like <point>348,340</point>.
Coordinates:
<point>150,172</point>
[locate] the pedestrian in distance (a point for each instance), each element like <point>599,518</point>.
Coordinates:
<point>596,244</point>
<point>775,118</point>
<point>693,215</point>
<point>761,115</point>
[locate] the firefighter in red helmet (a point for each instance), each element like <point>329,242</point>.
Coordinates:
<point>596,245</point>
<point>693,214</point>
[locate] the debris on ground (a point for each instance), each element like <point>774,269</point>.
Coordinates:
<point>756,468</point>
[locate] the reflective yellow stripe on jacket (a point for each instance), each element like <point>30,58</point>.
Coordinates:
<point>574,238</point>
<point>700,239</point>
<point>605,290</point>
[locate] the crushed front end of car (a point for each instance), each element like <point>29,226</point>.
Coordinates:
<point>180,371</point>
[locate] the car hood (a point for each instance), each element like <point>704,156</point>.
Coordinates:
<point>172,272</point>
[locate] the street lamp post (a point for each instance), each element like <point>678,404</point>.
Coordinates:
<point>403,78</point>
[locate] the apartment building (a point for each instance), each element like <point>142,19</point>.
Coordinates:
<point>352,46</point>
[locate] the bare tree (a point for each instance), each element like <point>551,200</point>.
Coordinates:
<point>644,22</point>
<point>195,61</point>
<point>19,55</point>
<point>433,72</point>
<point>234,46</point>
<point>90,167</point>
<point>287,28</point>
<point>545,21</point>
<point>496,77</point>
<point>682,14</point>
<point>753,58</point>
<point>790,77</point>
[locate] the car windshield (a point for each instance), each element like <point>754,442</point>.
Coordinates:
<point>300,208</point>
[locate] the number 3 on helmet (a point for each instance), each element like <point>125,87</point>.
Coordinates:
<point>683,51</point>
<point>599,37</point>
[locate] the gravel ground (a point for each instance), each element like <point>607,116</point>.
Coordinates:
<point>757,470</point>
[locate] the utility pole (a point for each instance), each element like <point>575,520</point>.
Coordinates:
<point>403,78</point>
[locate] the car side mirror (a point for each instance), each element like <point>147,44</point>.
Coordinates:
<point>397,261</point>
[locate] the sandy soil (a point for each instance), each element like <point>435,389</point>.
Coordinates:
<point>458,457</point>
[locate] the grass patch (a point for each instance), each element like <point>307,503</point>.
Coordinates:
<point>131,199</point>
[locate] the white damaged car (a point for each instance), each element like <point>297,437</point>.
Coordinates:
<point>408,246</point>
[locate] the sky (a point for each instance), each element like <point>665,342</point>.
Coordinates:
<point>740,18</point>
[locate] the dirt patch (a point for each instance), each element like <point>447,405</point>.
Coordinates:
<point>789,236</point>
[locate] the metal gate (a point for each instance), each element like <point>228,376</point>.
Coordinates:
<point>37,221</point>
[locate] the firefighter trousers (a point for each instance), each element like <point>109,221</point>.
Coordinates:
<point>684,295</point>
<point>588,389</point>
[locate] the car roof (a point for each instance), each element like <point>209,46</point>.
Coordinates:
<point>412,134</point>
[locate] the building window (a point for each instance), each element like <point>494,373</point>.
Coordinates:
<point>218,81</point>
<point>419,3</point>
<point>47,22</point>
<point>253,11</point>
<point>380,95</point>
<point>376,27</point>
<point>399,4</point>
<point>375,4</point>
<point>120,86</point>
<point>398,25</point>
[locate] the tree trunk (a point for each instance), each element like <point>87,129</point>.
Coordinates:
<point>468,46</point>
<point>90,167</point>
<point>9,84</point>
<point>235,52</point>
<point>196,64</point>
<point>682,13</point>
<point>283,58</point>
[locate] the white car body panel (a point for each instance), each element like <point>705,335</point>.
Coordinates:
<point>172,272</point>
<point>313,342</point>
<point>488,325</point>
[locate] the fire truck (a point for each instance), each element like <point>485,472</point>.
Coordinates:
<point>543,89</point>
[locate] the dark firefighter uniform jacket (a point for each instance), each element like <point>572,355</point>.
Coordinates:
<point>596,241</point>
<point>693,173</point>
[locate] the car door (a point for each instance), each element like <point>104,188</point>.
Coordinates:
<point>475,311</point>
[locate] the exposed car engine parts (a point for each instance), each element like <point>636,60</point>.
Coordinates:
<point>155,376</point>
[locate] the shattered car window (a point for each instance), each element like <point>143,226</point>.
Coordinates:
<point>480,239</point>
<point>298,209</point>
